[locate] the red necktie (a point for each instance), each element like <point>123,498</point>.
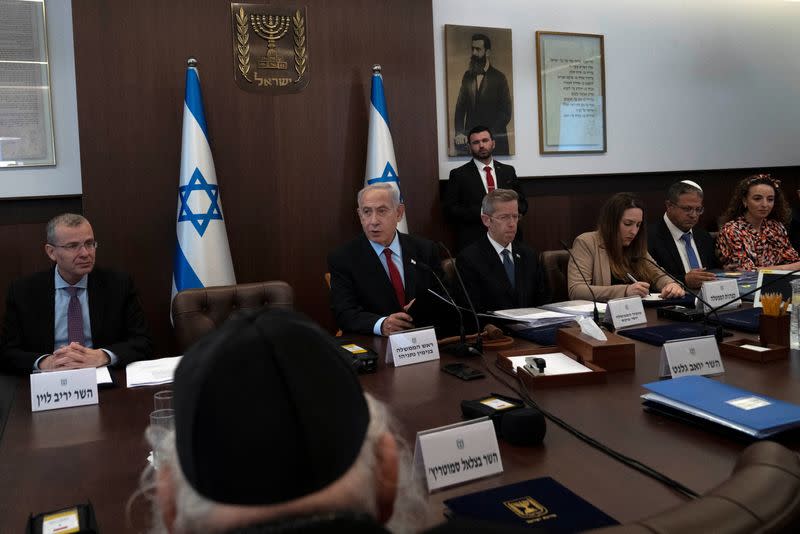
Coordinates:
<point>394,276</point>
<point>489,179</point>
<point>74,317</point>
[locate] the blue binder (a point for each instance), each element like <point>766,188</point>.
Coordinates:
<point>746,320</point>
<point>658,335</point>
<point>756,415</point>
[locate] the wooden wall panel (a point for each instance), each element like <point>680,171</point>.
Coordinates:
<point>288,166</point>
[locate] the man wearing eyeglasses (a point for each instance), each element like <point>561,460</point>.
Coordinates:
<point>377,277</point>
<point>677,244</point>
<point>72,315</point>
<point>498,272</point>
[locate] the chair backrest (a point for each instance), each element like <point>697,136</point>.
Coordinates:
<point>554,263</point>
<point>196,312</point>
<point>761,495</point>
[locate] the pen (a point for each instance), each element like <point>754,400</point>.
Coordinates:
<point>631,278</point>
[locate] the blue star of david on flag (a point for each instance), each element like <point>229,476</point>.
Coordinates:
<point>389,176</point>
<point>199,220</point>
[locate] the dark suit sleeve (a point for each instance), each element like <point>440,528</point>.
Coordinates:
<point>348,311</point>
<point>131,341</point>
<point>14,357</point>
<point>503,112</point>
<point>473,282</point>
<point>459,127</point>
<point>455,209</point>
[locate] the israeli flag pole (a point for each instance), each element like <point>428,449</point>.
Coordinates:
<point>202,253</point>
<point>381,163</point>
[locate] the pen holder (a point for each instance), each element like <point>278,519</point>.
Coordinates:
<point>774,330</point>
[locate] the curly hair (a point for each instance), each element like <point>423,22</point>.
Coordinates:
<point>621,258</point>
<point>780,210</point>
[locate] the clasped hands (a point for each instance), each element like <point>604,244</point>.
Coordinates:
<point>74,356</point>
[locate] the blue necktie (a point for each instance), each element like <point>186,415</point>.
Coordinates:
<point>508,265</point>
<point>690,255</point>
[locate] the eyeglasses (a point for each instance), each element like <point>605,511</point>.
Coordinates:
<point>508,217</point>
<point>90,245</point>
<point>688,210</point>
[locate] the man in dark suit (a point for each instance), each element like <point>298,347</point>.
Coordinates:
<point>73,315</point>
<point>676,243</point>
<point>376,278</point>
<point>484,98</point>
<point>497,273</point>
<point>469,183</point>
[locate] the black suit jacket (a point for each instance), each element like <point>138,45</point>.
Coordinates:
<point>464,194</point>
<point>489,106</point>
<point>665,251</point>
<point>361,292</point>
<point>116,317</point>
<point>487,282</point>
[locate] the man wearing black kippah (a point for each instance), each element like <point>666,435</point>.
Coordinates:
<point>273,433</point>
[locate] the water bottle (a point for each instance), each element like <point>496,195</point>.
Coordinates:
<point>794,324</point>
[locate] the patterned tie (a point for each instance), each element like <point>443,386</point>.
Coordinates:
<point>394,276</point>
<point>690,255</point>
<point>74,317</point>
<point>509,266</point>
<point>489,179</point>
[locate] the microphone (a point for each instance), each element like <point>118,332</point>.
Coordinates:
<point>757,288</point>
<point>462,348</point>
<point>719,333</point>
<point>596,314</point>
<point>479,339</point>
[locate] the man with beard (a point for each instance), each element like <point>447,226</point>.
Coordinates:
<point>484,98</point>
<point>72,315</point>
<point>469,183</point>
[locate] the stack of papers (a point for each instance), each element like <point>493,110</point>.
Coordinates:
<point>703,399</point>
<point>576,307</point>
<point>152,372</point>
<point>533,317</point>
<point>558,363</point>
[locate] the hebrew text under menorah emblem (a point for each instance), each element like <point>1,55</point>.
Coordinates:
<point>271,28</point>
<point>278,61</point>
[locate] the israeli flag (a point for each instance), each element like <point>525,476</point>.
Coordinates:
<point>202,254</point>
<point>381,165</point>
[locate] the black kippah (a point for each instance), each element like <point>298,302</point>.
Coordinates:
<point>267,410</point>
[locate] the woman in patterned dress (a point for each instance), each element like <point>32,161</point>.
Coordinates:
<point>754,236</point>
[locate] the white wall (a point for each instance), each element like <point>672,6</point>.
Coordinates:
<point>65,177</point>
<point>691,84</point>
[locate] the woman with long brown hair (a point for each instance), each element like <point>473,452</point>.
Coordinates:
<point>754,235</point>
<point>609,256</point>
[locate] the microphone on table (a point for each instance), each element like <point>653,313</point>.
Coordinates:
<point>479,339</point>
<point>719,333</point>
<point>596,313</point>
<point>462,348</point>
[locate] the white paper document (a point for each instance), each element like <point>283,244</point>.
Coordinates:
<point>152,372</point>
<point>576,307</point>
<point>558,363</point>
<point>103,376</point>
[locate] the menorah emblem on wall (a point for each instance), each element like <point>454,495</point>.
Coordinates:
<point>271,28</point>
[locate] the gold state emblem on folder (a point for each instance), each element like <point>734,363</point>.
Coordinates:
<point>528,509</point>
<point>270,48</point>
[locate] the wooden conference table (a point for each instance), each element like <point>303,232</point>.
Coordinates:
<point>55,459</point>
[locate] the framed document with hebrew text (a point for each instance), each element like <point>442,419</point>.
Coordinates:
<point>26,119</point>
<point>572,104</point>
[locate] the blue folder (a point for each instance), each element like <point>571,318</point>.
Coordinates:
<point>658,335</point>
<point>746,320</point>
<point>540,503</point>
<point>756,415</point>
